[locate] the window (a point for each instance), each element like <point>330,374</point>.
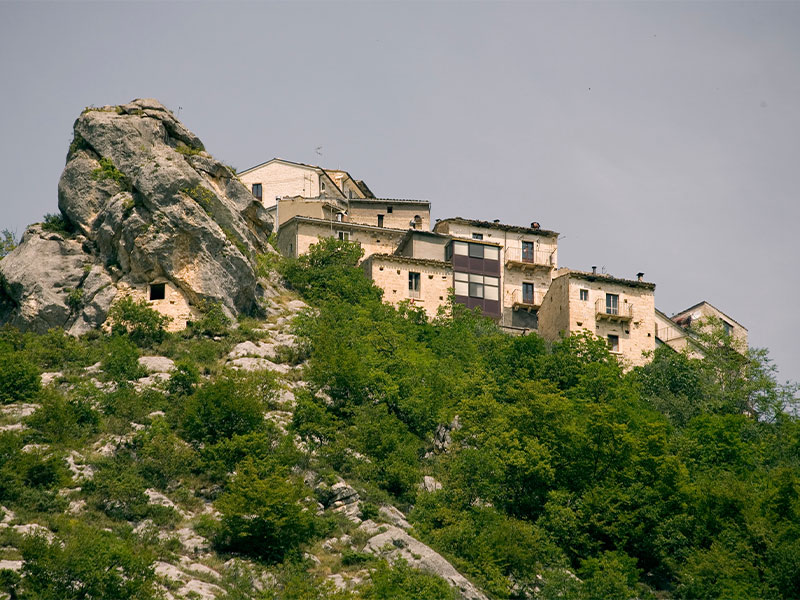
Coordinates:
<point>527,252</point>
<point>475,251</point>
<point>257,190</point>
<point>461,248</point>
<point>461,281</point>
<point>491,288</point>
<point>344,235</point>
<point>727,328</point>
<point>491,253</point>
<point>158,291</point>
<point>612,304</point>
<point>613,343</point>
<point>380,220</point>
<point>389,209</point>
<point>527,293</point>
<point>413,285</point>
<point>584,295</point>
<point>475,286</point>
<point>417,221</point>
<point>339,217</point>
<point>477,236</point>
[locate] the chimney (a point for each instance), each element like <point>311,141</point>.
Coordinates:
<point>496,221</point>
<point>594,269</point>
<point>639,276</point>
<point>534,225</point>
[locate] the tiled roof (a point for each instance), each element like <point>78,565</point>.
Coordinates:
<point>499,226</point>
<point>604,277</point>
<point>399,258</point>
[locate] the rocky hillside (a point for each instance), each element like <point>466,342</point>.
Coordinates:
<point>125,469</point>
<point>140,201</point>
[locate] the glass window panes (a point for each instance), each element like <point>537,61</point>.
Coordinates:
<point>461,284</point>
<point>461,248</point>
<point>491,253</point>
<point>612,304</point>
<point>475,251</point>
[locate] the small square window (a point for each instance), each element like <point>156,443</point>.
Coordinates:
<point>257,190</point>
<point>477,236</point>
<point>158,291</point>
<point>344,236</point>
<point>584,295</point>
<point>389,209</point>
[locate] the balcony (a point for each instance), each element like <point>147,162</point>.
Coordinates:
<point>536,259</point>
<point>529,303</point>
<point>621,312</point>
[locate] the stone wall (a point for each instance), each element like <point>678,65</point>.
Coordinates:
<point>403,213</point>
<point>297,236</point>
<point>391,274</point>
<point>280,179</point>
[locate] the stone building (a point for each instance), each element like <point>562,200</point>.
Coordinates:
<point>679,331</point>
<point>620,311</point>
<point>509,272</point>
<point>277,178</point>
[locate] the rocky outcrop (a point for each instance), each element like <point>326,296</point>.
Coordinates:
<point>142,202</point>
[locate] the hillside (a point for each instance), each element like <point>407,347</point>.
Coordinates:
<point>299,439</point>
<point>291,457</point>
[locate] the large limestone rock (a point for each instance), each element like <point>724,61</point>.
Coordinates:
<point>144,204</point>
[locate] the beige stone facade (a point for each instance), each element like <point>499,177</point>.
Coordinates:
<point>174,304</point>
<point>315,208</point>
<point>299,233</point>
<point>421,282</point>
<point>620,311</point>
<point>397,214</point>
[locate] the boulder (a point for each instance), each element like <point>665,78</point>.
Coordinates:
<point>394,543</point>
<point>142,202</point>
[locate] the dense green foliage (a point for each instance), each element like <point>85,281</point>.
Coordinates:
<point>566,476</point>
<point>658,479</point>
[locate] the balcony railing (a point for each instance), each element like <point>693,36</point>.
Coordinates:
<point>620,312</point>
<point>520,300</point>
<point>533,258</point>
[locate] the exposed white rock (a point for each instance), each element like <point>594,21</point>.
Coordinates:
<point>18,411</point>
<point>48,378</point>
<point>157,364</point>
<point>31,529</point>
<point>394,516</point>
<point>201,589</point>
<point>258,364</point>
<point>429,484</point>
<point>256,349</point>
<point>395,543</point>
<point>77,467</point>
<point>11,565</point>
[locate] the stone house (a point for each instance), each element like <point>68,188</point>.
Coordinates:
<point>277,178</point>
<point>678,332</point>
<point>510,272</point>
<point>620,311</point>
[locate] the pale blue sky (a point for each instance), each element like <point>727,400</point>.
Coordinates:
<point>656,137</point>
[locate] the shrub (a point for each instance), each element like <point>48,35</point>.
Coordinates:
<point>118,490</point>
<point>402,581</point>
<point>214,320</point>
<point>263,513</point>
<point>8,242</point>
<point>86,563</point>
<point>121,360</point>
<point>107,170</point>
<point>183,380</point>
<point>144,325</point>
<point>19,378</point>
<point>233,404</point>
<point>59,419</point>
<point>182,148</point>
<point>162,456</point>
<point>56,223</point>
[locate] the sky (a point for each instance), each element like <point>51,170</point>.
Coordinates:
<point>655,137</point>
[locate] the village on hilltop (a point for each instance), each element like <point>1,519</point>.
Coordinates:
<point>510,272</point>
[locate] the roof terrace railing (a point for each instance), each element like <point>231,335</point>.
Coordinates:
<point>537,258</point>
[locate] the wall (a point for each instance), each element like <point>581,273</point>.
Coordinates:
<point>554,312</point>
<point>366,213</point>
<point>279,179</point>
<point>706,310</point>
<point>174,305</point>
<point>544,245</point>
<point>635,336</point>
<point>295,237</point>
<point>317,209</point>
<point>391,274</point>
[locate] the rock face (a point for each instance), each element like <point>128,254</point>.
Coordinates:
<point>143,204</point>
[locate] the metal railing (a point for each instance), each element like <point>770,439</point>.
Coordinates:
<point>533,257</point>
<point>622,310</point>
<point>518,298</point>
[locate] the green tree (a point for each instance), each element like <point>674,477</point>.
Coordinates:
<point>19,378</point>
<point>8,241</point>
<point>264,512</point>
<point>85,563</point>
<point>143,324</point>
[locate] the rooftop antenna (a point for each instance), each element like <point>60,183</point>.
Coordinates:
<point>318,150</point>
